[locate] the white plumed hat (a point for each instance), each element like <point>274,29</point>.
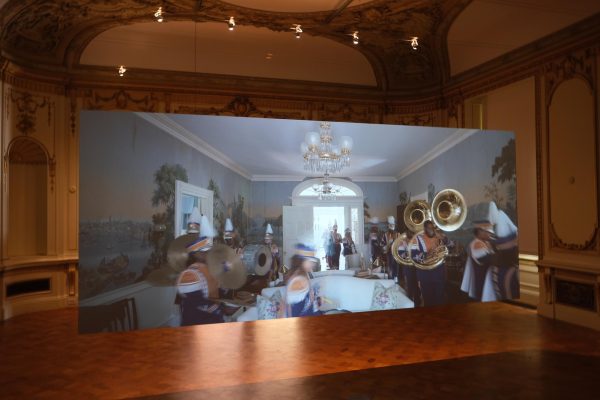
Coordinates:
<point>193,225</point>
<point>391,220</point>
<point>206,229</point>
<point>228,225</point>
<point>195,217</point>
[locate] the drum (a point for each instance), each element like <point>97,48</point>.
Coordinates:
<point>353,261</point>
<point>258,259</point>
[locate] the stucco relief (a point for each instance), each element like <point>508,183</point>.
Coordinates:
<point>121,100</point>
<point>58,31</point>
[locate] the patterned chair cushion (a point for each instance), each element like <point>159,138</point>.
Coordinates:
<point>386,298</point>
<point>269,307</point>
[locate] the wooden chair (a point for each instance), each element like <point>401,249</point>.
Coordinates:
<point>119,316</point>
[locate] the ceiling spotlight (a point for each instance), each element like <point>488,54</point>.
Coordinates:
<point>355,37</point>
<point>122,70</point>
<point>414,42</point>
<point>297,30</point>
<point>159,15</point>
<point>231,23</point>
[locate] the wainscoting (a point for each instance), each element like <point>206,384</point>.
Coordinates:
<point>36,285</point>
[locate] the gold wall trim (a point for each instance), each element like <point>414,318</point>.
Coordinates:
<point>578,64</point>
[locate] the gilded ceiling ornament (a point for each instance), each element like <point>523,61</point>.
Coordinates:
<point>55,32</point>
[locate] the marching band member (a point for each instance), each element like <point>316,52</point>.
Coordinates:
<point>300,295</point>
<point>333,248</point>
<point>505,273</point>
<point>375,241</point>
<point>228,233</point>
<point>349,247</point>
<point>388,238</point>
<point>193,224</point>
<point>274,252</point>
<point>409,272</point>
<point>230,237</point>
<point>431,282</point>
<point>480,258</point>
<point>196,286</point>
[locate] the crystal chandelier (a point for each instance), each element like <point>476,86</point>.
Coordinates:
<point>326,190</point>
<point>321,154</point>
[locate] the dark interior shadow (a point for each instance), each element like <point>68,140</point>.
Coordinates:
<point>119,316</point>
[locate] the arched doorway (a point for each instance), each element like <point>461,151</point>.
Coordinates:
<point>310,218</point>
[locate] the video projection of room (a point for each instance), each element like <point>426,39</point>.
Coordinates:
<point>190,220</point>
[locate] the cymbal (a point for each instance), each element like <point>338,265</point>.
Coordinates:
<point>226,266</point>
<point>177,255</point>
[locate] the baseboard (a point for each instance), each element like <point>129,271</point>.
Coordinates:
<point>520,304</point>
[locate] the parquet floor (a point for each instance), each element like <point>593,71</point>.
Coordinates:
<point>445,352</point>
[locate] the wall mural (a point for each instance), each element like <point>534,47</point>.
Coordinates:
<point>483,169</point>
<point>137,271</point>
<point>128,173</point>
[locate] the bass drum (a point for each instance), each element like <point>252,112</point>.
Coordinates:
<point>258,259</point>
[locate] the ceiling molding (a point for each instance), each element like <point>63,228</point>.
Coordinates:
<point>533,7</point>
<point>481,44</point>
<point>438,150</point>
<point>373,179</point>
<point>277,178</point>
<point>300,178</point>
<point>169,126</point>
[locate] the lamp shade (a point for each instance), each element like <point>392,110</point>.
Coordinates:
<point>304,148</point>
<point>312,139</point>
<point>346,143</point>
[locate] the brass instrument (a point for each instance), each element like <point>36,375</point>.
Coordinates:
<point>415,215</point>
<point>448,212</point>
<point>432,260</point>
<point>395,245</point>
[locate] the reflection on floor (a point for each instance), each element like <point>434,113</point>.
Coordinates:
<point>528,374</point>
<point>462,349</point>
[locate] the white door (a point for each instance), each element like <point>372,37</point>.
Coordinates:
<point>297,228</point>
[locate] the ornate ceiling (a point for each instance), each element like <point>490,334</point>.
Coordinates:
<point>54,33</point>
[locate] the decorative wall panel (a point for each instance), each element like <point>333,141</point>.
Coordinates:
<point>572,166</point>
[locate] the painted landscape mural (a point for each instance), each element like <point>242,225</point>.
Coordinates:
<point>128,173</point>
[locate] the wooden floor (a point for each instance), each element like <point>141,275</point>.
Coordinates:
<point>447,352</point>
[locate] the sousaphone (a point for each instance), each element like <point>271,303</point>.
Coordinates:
<point>403,260</point>
<point>415,215</point>
<point>448,212</point>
